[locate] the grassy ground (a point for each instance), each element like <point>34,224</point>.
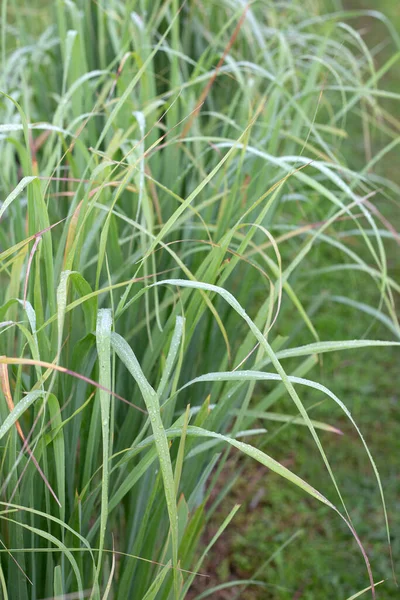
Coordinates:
<point>320,562</point>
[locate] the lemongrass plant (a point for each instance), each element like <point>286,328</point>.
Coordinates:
<point>169,172</point>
